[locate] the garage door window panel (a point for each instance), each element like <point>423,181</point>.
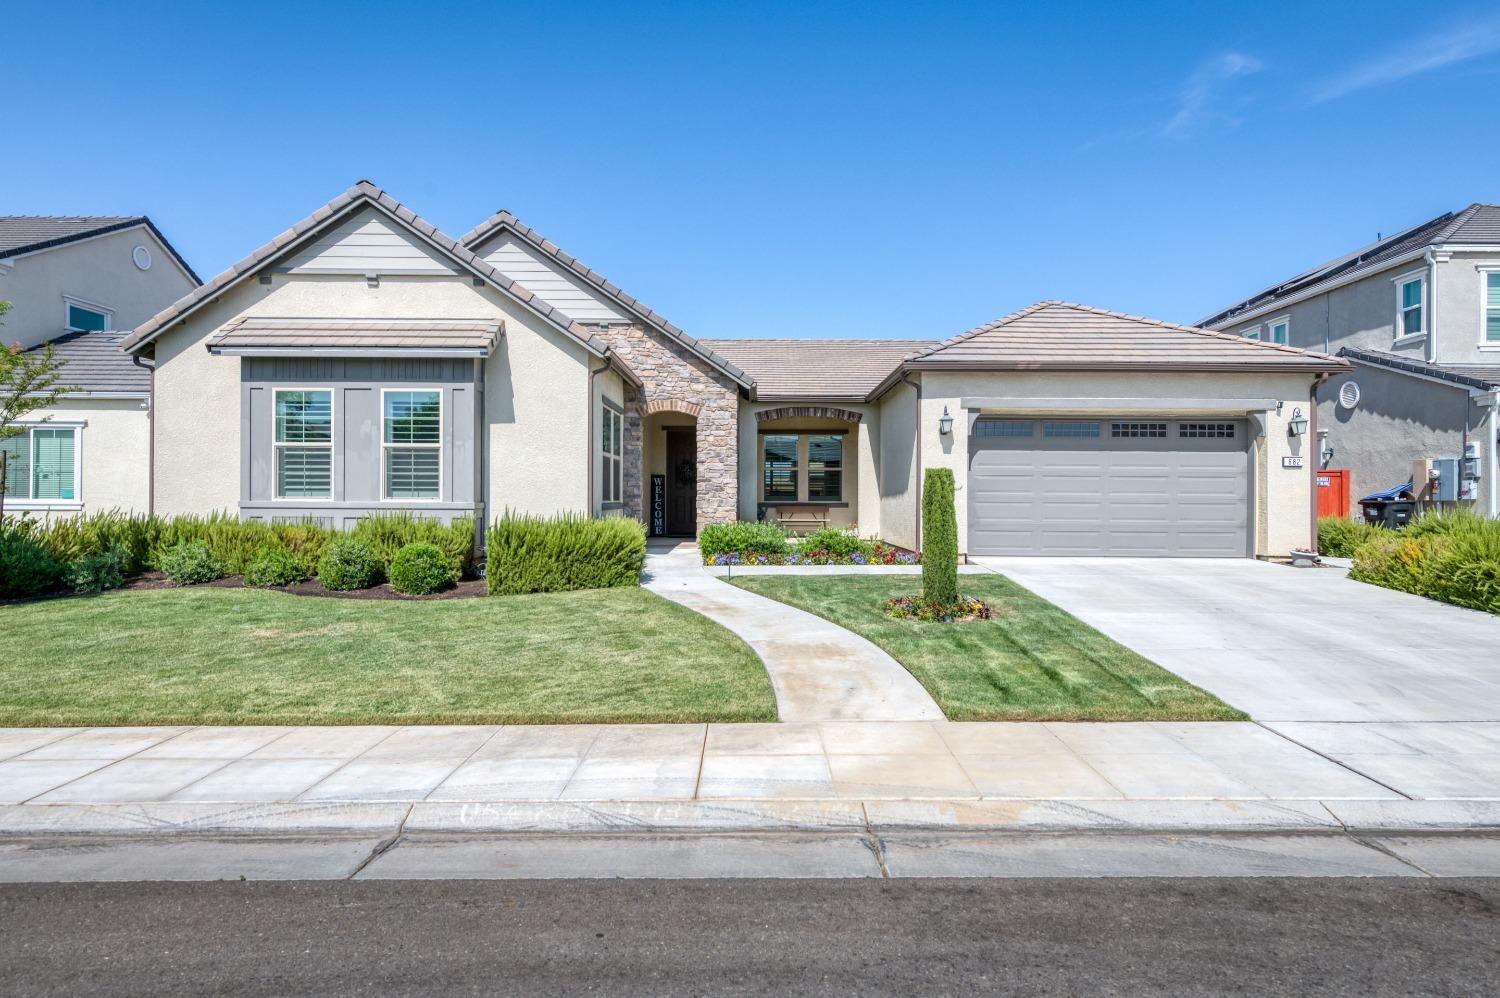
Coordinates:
<point>1070,430</point>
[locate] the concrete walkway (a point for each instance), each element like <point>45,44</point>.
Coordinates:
<point>820,671</point>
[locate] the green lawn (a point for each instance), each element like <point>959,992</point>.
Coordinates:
<point>1032,662</point>
<point>239,656</point>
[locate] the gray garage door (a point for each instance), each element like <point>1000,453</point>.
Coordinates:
<point>1137,487</point>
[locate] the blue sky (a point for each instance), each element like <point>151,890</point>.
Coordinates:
<point>854,169</point>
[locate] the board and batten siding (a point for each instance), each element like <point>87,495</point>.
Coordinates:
<point>367,243</point>
<point>518,261</point>
<point>356,385</point>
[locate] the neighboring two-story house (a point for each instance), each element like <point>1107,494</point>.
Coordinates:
<point>1418,315</point>
<point>80,283</point>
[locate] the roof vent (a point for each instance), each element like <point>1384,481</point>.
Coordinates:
<point>142,257</point>
<point>1349,395</point>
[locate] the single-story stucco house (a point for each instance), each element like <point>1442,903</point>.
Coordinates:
<point>364,361</point>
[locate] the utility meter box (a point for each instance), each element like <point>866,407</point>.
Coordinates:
<point>1446,488</point>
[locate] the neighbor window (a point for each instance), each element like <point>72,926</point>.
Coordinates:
<point>780,467</point>
<point>825,468</point>
<point>41,464</point>
<point>611,450</point>
<point>1252,333</point>
<point>304,444</point>
<point>83,319</point>
<point>1277,332</point>
<point>1492,307</point>
<point>1409,295</point>
<point>412,444</point>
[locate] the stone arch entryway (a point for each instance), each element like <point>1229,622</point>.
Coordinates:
<point>669,457</point>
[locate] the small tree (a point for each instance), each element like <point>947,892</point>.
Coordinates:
<point>939,537</point>
<point>28,382</point>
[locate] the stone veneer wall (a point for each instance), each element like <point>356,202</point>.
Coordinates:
<point>672,374</point>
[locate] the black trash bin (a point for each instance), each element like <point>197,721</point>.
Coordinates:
<point>1398,513</point>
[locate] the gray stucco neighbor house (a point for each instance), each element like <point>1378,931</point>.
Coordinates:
<point>364,361</point>
<point>1418,316</point>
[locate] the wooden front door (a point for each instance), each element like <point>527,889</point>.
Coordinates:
<point>682,482</point>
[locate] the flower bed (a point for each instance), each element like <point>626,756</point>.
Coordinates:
<point>964,608</point>
<point>873,553</point>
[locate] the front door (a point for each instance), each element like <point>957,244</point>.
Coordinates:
<point>682,482</point>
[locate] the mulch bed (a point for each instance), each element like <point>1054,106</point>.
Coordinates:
<point>464,589</point>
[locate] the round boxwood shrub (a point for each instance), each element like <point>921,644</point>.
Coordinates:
<point>26,568</point>
<point>94,573</point>
<point>190,563</point>
<point>419,569</point>
<point>348,563</point>
<point>274,566</point>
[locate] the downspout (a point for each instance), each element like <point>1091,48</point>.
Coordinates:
<point>150,435</point>
<point>917,387</point>
<point>482,446</point>
<point>1432,297</point>
<point>1492,444</point>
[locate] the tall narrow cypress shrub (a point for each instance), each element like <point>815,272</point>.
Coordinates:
<point>939,537</point>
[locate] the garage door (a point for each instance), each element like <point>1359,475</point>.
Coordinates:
<point>1137,487</point>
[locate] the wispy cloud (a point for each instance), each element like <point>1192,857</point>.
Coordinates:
<point>1458,44</point>
<point>1205,95</point>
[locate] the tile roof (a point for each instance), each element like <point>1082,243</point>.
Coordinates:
<point>1476,225</point>
<point>1062,336</point>
<point>364,335</point>
<point>503,220</point>
<point>1481,377</point>
<point>363,194</point>
<point>30,233</point>
<point>94,363</point>
<point>831,370</point>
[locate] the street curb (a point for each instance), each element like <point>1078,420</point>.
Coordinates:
<point>750,816</point>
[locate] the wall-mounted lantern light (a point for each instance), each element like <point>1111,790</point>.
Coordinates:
<point>1325,449</point>
<point>1298,424</point>
<point>945,422</point>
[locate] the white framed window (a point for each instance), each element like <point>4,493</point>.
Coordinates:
<point>1411,306</point>
<point>1279,330</point>
<point>779,467</point>
<point>1489,309</point>
<point>611,454</point>
<point>411,443</point>
<point>825,467</point>
<point>42,464</point>
<point>1253,333</point>
<point>81,316</point>
<point>303,442</point>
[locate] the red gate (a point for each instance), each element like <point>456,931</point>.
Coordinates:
<point>1333,493</point>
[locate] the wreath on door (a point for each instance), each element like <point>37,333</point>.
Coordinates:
<point>686,472</point>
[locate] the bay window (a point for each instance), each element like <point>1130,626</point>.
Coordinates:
<point>304,443</point>
<point>412,444</point>
<point>611,454</point>
<point>41,464</point>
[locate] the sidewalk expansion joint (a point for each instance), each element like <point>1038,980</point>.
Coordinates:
<point>383,846</point>
<point>1337,762</point>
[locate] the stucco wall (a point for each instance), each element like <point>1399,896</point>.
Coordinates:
<point>98,270</point>
<point>1360,315</point>
<point>1460,318</point>
<point>1283,511</point>
<point>897,468</point>
<point>536,407</point>
<point>1399,420</point>
<point>112,446</point>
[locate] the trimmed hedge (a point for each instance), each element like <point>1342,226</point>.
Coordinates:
<point>1451,557</point>
<point>348,563</point>
<point>143,541</point>
<point>419,569</point>
<point>528,554</point>
<point>742,537</point>
<point>939,538</point>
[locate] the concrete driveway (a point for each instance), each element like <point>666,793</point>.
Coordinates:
<point>1284,644</point>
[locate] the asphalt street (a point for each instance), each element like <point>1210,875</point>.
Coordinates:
<point>1200,936</point>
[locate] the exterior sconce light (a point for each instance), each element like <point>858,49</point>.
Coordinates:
<point>1298,424</point>
<point>1325,450</point>
<point>945,422</point>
